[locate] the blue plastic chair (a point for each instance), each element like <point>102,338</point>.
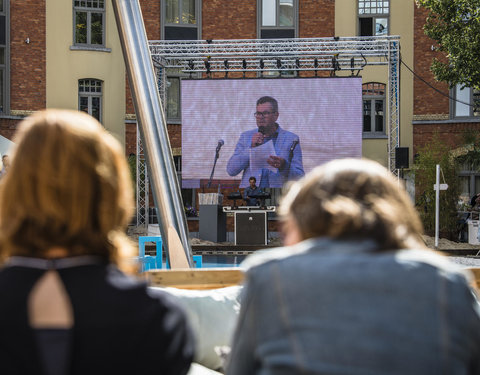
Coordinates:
<point>148,262</point>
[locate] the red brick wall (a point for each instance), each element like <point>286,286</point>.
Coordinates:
<point>426,100</point>
<point>317,18</point>
<point>451,134</point>
<point>227,19</point>
<point>8,127</point>
<point>130,139</point>
<point>28,61</point>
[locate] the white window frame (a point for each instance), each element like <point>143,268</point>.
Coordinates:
<point>365,10</point>
<point>81,6</point>
<point>369,94</point>
<point>198,18</point>
<point>458,108</point>
<point>90,94</point>
<point>277,26</point>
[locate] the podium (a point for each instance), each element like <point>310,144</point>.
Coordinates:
<point>213,223</point>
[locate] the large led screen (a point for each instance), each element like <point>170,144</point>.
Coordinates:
<point>273,129</point>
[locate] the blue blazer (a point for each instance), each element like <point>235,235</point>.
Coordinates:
<point>240,160</point>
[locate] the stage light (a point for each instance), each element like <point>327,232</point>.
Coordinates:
<point>225,63</point>
<point>352,65</point>
<point>315,64</point>
<point>261,67</point>
<point>244,66</point>
<point>279,64</point>
<point>335,65</point>
<point>207,66</point>
<point>191,67</point>
<point>297,63</point>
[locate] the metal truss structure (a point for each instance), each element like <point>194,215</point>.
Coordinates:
<point>338,55</point>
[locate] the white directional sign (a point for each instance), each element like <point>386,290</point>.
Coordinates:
<point>442,187</point>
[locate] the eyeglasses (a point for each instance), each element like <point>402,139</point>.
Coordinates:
<point>263,114</point>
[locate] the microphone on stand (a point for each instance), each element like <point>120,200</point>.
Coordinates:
<point>220,143</point>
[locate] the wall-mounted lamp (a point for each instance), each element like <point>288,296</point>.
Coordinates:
<point>27,40</point>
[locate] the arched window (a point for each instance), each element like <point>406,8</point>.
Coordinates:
<point>90,97</point>
<point>373,109</point>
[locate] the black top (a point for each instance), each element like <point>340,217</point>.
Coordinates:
<point>120,327</point>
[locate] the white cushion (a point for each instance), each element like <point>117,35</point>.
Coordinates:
<point>212,315</point>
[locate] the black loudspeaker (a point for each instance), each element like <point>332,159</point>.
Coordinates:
<point>401,158</point>
<point>250,228</point>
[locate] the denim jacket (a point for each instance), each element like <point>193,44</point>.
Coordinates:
<point>333,307</point>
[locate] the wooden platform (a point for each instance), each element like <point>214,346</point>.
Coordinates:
<point>206,278</point>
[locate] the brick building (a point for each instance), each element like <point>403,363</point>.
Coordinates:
<point>66,54</point>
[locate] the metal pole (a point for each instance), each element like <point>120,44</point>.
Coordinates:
<point>437,205</point>
<point>153,132</point>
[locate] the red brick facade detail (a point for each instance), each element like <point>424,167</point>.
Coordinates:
<point>317,18</point>
<point>229,19</point>
<point>426,100</point>
<point>452,134</point>
<point>28,61</point>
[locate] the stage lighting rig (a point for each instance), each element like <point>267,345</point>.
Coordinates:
<point>279,64</point>
<point>262,65</point>
<point>244,66</point>
<point>315,64</point>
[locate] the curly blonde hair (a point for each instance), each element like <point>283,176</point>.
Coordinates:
<point>68,187</point>
<point>353,198</point>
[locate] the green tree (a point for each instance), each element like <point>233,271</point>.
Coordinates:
<point>455,26</point>
<point>437,152</point>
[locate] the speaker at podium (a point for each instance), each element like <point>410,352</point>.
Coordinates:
<point>251,228</point>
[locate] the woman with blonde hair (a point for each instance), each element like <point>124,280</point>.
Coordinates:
<point>65,306</point>
<point>355,291</point>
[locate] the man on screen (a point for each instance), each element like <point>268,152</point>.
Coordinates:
<point>285,165</point>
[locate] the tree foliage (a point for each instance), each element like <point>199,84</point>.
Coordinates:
<point>455,26</point>
<point>437,152</point>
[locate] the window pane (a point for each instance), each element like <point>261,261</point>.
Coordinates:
<point>96,107</point>
<point>2,56</point>
<point>477,185</point>
<point>81,27</point>
<point>476,102</point>
<point>367,115</point>
<point>381,26</point>
<point>269,12</point>
<point>286,13</point>
<point>462,95</point>
<point>173,98</point>
<point>83,105</point>
<point>366,26</point>
<point>171,11</point>
<point>188,12</point>
<point>2,9</point>
<point>379,115</point>
<point>97,28</point>
<point>2,100</point>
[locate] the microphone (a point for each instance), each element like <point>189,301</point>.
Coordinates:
<point>220,144</point>
<point>294,144</point>
<point>261,129</point>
